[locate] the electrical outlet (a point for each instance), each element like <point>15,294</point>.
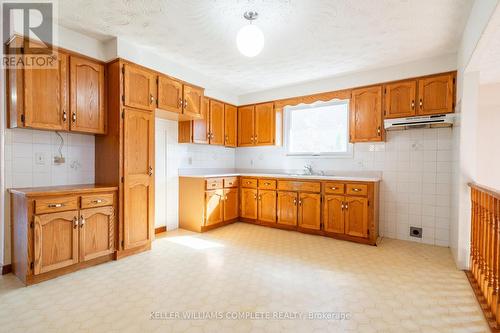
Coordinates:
<point>40,158</point>
<point>59,160</point>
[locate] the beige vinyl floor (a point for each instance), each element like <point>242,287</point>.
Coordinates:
<point>273,280</point>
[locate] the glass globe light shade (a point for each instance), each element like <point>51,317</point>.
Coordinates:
<point>250,40</point>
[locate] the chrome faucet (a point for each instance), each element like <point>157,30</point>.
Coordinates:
<point>308,169</point>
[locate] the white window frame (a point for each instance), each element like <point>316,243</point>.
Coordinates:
<point>287,115</point>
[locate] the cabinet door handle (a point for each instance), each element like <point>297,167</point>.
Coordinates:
<point>413,104</point>
<point>295,202</point>
<point>56,205</point>
<point>260,197</point>
<point>379,131</point>
<point>151,99</point>
<point>421,103</point>
<point>180,103</point>
<point>65,116</point>
<point>255,196</point>
<point>300,202</point>
<point>150,171</point>
<point>75,222</point>
<point>82,221</point>
<point>73,117</point>
<point>185,103</point>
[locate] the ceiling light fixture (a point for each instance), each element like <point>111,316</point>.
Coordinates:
<point>250,39</point>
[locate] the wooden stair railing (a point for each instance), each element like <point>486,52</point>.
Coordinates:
<point>485,248</point>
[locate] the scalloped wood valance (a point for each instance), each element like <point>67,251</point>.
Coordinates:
<point>309,99</point>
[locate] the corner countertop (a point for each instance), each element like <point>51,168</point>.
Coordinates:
<point>343,177</point>
<point>64,189</point>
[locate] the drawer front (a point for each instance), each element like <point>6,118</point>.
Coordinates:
<point>56,204</point>
<point>97,200</point>
<point>267,184</point>
<point>230,182</point>
<point>214,183</point>
<point>249,182</point>
<point>357,189</point>
<point>334,188</point>
<point>286,185</point>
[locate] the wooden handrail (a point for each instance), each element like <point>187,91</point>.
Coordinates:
<point>485,245</point>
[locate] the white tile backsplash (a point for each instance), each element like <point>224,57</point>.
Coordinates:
<point>416,168</point>
<point>23,146</point>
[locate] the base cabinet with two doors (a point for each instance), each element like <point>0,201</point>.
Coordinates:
<point>61,229</point>
<point>346,210</point>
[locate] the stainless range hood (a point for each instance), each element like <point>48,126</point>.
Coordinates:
<point>443,120</point>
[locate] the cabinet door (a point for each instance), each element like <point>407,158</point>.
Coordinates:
<point>169,94</point>
<point>87,108</point>
<point>246,126</point>
<point>248,203</point>
<point>264,124</point>
<point>435,94</point>
<point>310,211</point>
<point>46,101</point>
<point>139,87</point>
<point>216,122</point>
<point>138,193</point>
<point>97,231</point>
<point>267,206</point>
<point>333,213</point>
<point>193,97</point>
<point>55,241</point>
<point>400,99</point>
<point>231,204</point>
<point>287,208</point>
<point>230,125</point>
<point>214,204</point>
<point>201,126</point>
<point>366,114</point>
<point>356,217</point>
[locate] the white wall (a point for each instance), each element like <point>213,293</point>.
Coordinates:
<point>402,71</point>
<point>416,178</point>
<point>172,156</point>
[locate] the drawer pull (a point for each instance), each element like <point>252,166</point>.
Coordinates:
<point>214,184</point>
<point>97,201</point>
<point>267,183</point>
<point>248,183</point>
<point>356,189</point>
<point>333,188</point>
<point>56,205</point>
<point>230,184</point>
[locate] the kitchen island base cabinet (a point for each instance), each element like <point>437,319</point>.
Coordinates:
<point>61,229</point>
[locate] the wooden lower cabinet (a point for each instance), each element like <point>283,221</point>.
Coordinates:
<point>341,209</point>
<point>53,233</point>
<point>287,208</point>
<point>310,211</point>
<point>248,208</point>
<point>266,207</point>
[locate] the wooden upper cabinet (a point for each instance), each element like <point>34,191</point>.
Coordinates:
<point>264,124</point>
<point>287,208</point>
<point>169,94</point>
<point>96,232</point>
<point>246,125</point>
<point>436,94</point>
<point>310,211</point>
<point>356,217</point>
<point>216,133</point>
<point>55,241</point>
<point>214,205</point>
<point>201,126</point>
<point>87,96</point>
<point>248,203</point>
<point>400,99</point>
<point>267,206</point>
<point>366,114</point>
<point>138,163</point>
<point>333,213</point>
<point>46,100</point>
<point>230,125</point>
<point>231,204</point>
<point>193,97</point>
<point>139,87</point>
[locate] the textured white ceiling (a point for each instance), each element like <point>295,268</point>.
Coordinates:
<point>305,39</point>
<point>486,57</point>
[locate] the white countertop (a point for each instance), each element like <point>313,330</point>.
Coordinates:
<point>284,176</point>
